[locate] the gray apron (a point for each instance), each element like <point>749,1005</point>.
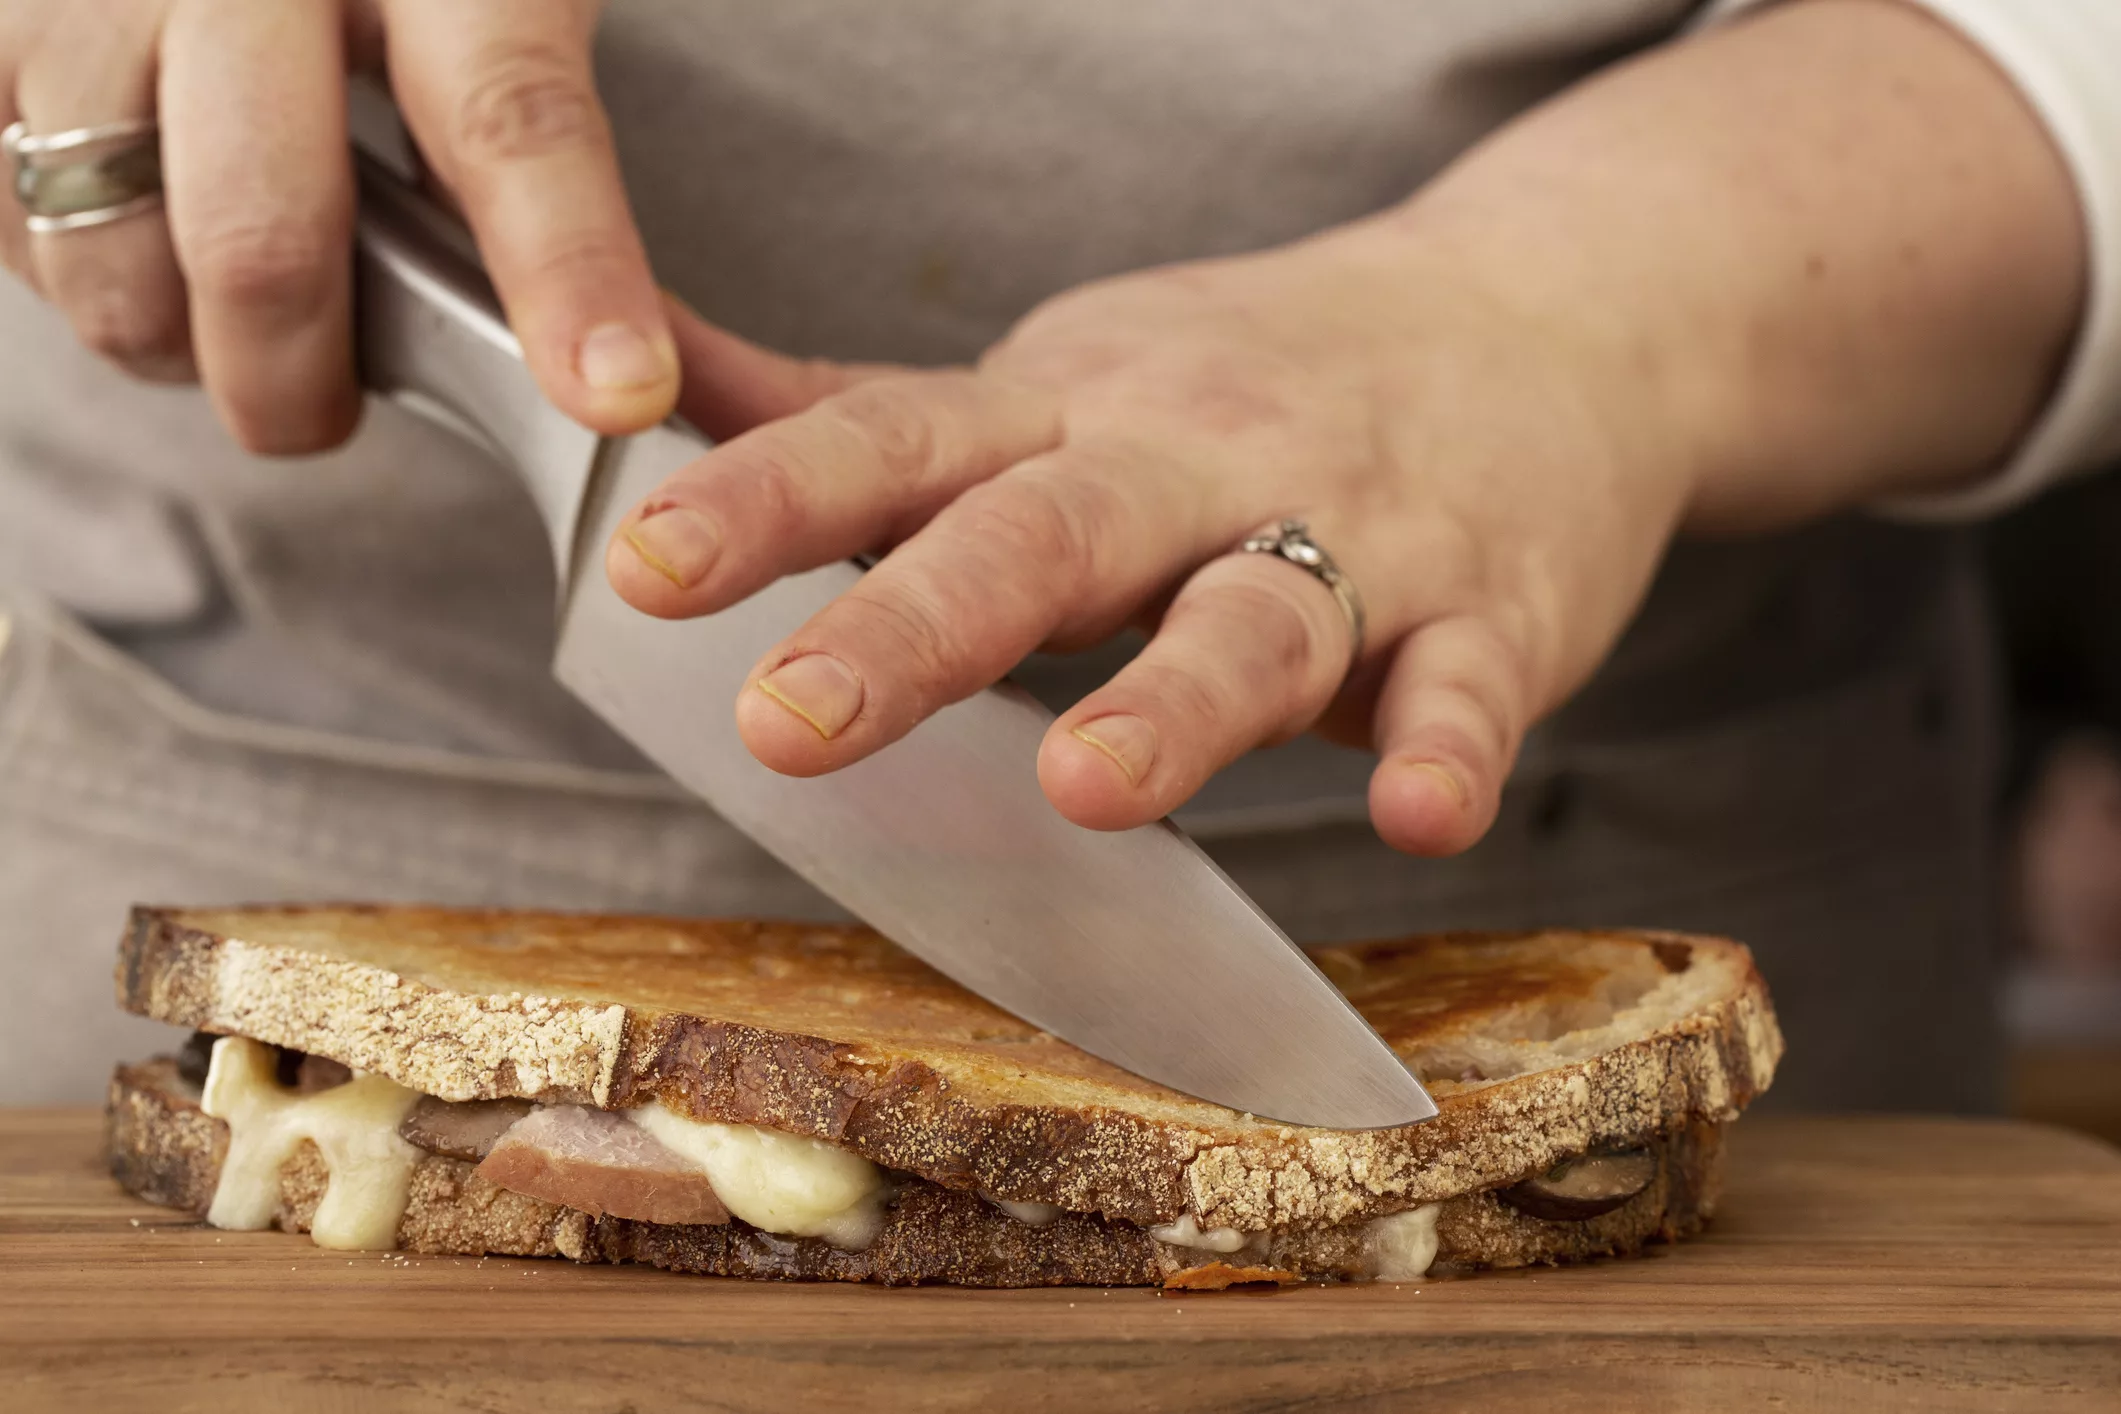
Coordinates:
<point>230,680</point>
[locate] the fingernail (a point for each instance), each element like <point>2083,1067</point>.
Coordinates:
<point>1448,779</point>
<point>678,544</point>
<point>819,688</point>
<point>1129,741</point>
<point>616,357</point>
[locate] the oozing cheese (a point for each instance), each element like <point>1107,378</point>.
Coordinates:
<point>1029,1214</point>
<point>780,1183</point>
<point>354,1126</point>
<point>1401,1246</point>
<point>1187,1232</point>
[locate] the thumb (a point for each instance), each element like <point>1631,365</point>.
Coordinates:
<point>731,385</point>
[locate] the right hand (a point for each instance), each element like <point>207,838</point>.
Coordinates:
<point>244,280</point>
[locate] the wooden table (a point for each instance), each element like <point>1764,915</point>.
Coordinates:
<point>1891,1264</point>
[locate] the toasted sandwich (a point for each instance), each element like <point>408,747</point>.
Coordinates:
<point>800,1101</point>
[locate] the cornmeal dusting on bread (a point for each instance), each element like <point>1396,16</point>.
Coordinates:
<point>449,1208</point>
<point>444,1044</point>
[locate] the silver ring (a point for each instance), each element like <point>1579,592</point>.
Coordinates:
<point>1292,541</point>
<point>85,176</point>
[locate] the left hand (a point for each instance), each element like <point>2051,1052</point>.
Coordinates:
<point>1820,256</point>
<point>1097,468</point>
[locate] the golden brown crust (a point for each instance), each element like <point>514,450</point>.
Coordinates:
<point>166,1150</point>
<point>1220,1276</point>
<point>832,1032</point>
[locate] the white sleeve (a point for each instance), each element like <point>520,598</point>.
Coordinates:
<point>2065,55</point>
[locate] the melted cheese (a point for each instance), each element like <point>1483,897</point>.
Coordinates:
<point>782,1183</point>
<point>1401,1246</point>
<point>354,1126</point>
<point>1187,1232</point>
<point>1029,1214</point>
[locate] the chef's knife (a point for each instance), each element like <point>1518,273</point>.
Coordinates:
<point>1132,945</point>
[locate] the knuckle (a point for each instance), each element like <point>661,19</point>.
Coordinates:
<point>283,266</point>
<point>529,100</point>
<point>773,483</point>
<point>1268,658</point>
<point>1207,712</point>
<point>128,332</point>
<point>908,632</point>
<point>890,417</point>
<point>1290,641</point>
<point>1483,702</point>
<point>585,259</point>
<point>1040,527</point>
<point>1286,633</point>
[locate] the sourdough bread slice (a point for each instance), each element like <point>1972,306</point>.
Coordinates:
<point>1537,1046</point>
<point>165,1149</point>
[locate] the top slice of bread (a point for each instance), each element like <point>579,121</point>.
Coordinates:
<point>1537,1046</point>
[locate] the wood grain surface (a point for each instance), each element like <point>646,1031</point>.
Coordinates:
<point>1881,1264</point>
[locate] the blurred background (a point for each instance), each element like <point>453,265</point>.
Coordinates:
<point>2057,574</point>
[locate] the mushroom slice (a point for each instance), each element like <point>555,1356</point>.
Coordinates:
<point>1583,1187</point>
<point>461,1129</point>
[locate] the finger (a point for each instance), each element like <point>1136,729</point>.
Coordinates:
<point>853,472</point>
<point>117,284</point>
<point>1065,544</point>
<point>1450,719</point>
<point>1250,652</point>
<point>14,235</point>
<point>20,28</point>
<point>261,202</point>
<point>731,385</point>
<point>503,103</point>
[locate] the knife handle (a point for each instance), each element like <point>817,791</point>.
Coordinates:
<point>429,334</point>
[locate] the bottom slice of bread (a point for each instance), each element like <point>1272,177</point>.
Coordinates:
<point>167,1150</point>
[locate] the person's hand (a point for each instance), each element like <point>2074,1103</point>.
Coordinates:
<point>1098,467</point>
<point>245,281</point>
<point>1818,257</point>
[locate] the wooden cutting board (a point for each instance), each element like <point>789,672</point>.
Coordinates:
<point>1861,1264</point>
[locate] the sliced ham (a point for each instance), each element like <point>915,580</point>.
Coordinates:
<point>600,1163</point>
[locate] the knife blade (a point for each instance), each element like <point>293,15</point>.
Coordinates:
<point>1130,944</point>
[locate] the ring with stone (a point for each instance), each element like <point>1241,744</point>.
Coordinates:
<point>1291,540</point>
